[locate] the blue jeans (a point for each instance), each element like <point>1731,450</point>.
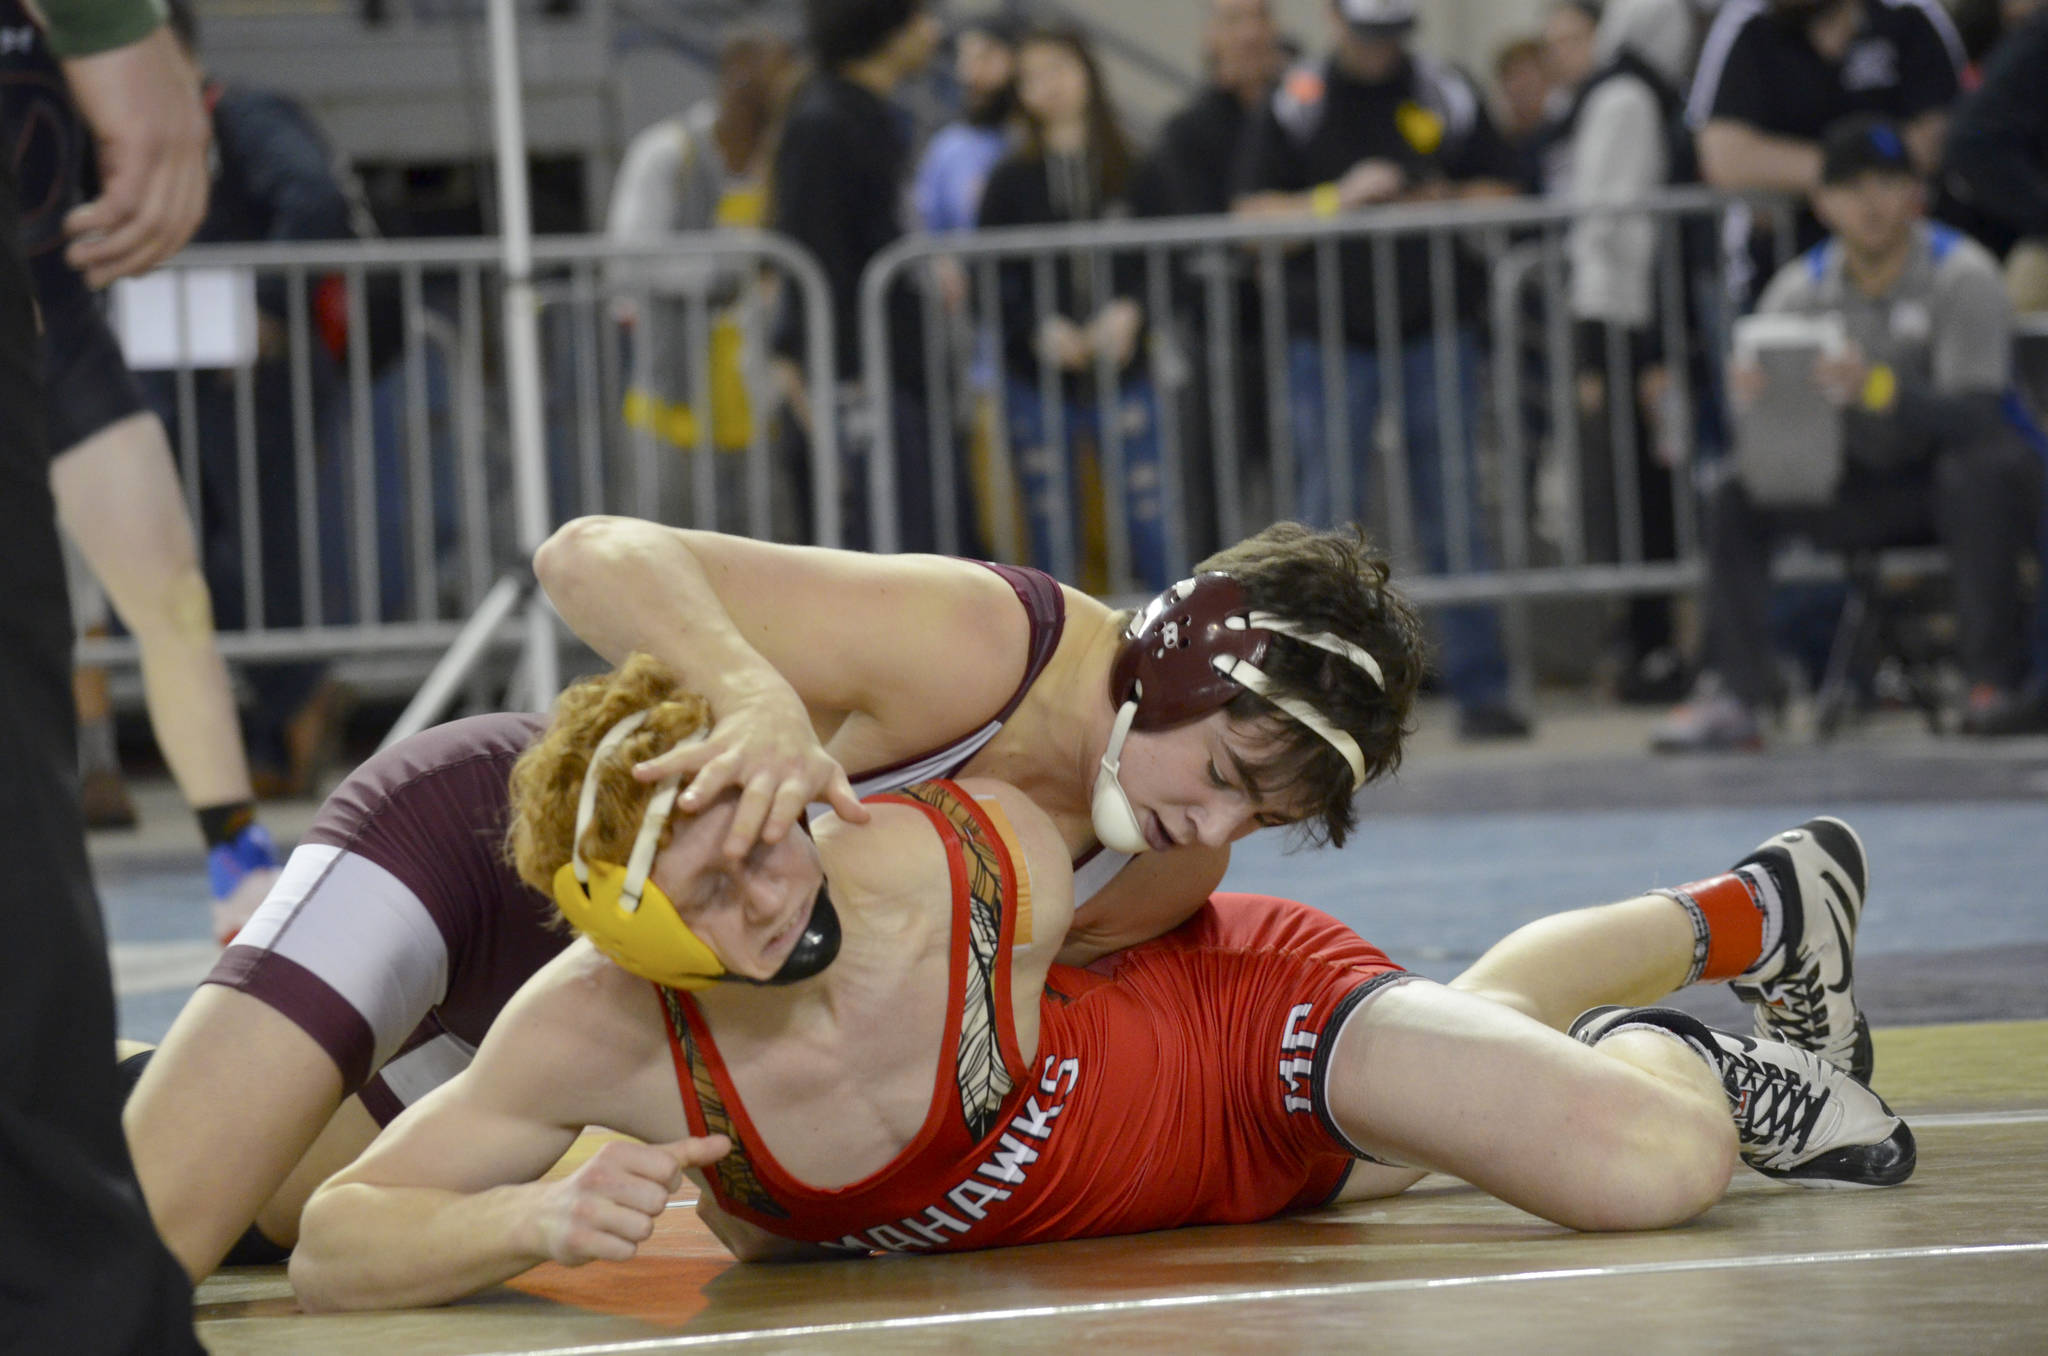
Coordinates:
<point>1039,466</point>
<point>1474,668</point>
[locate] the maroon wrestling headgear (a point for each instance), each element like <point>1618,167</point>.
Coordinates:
<point>1191,651</point>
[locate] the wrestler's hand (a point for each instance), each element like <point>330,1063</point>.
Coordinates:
<point>607,1208</point>
<point>763,744</point>
<point>151,132</point>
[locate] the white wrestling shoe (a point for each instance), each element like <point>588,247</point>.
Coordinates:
<point>1798,1118</point>
<point>1801,989</point>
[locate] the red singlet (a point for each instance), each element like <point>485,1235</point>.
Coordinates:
<point>1182,1087</point>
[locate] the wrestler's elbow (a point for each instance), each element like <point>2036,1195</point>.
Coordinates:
<point>598,554</point>
<point>319,1267</point>
<point>350,1255</point>
<point>575,549</point>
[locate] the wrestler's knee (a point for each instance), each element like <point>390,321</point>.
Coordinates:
<point>180,607</point>
<point>1654,1164</point>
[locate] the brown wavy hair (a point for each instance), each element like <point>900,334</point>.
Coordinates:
<point>547,780</point>
<point>1337,582</point>
<point>1108,144</point>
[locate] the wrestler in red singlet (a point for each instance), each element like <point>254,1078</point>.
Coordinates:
<point>399,929</point>
<point>1182,1086</point>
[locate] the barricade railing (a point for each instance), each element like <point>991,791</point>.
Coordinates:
<point>1196,278</point>
<point>1425,369</point>
<point>338,415</point>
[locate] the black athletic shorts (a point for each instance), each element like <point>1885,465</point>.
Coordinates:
<point>86,381</point>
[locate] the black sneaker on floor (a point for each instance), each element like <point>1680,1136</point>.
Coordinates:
<point>1801,991</point>
<point>1492,720</point>
<point>1798,1118</point>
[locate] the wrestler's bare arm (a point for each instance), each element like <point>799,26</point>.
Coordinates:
<point>1153,894</point>
<point>925,645</point>
<point>447,1201</point>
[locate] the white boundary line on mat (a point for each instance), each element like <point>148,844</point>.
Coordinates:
<point>882,1325</point>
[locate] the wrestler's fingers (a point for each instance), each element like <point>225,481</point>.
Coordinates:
<point>695,1151</point>
<point>646,1193</point>
<point>788,806</point>
<point>839,794</point>
<point>602,1219</point>
<point>712,780</point>
<point>680,761</point>
<point>623,1166</point>
<point>755,801</point>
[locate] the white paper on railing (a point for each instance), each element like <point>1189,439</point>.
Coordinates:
<point>218,311</point>
<point>1788,444</point>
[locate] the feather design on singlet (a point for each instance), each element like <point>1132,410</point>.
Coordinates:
<point>984,1079</point>
<point>735,1172</point>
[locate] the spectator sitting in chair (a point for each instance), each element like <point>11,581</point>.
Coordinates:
<point>1935,445</point>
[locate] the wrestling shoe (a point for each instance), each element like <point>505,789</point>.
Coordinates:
<point>241,872</point>
<point>1798,1118</point>
<point>1800,989</point>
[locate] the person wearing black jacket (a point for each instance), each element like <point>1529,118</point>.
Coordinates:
<point>1378,123</point>
<point>1193,162</point>
<point>1076,165</point>
<point>837,188</point>
<point>80,1264</point>
<point>1995,173</point>
<point>117,490</point>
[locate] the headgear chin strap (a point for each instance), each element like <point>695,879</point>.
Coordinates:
<point>627,916</point>
<point>1190,652</point>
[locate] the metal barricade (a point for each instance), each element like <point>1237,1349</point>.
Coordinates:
<point>1284,360</point>
<point>350,475</point>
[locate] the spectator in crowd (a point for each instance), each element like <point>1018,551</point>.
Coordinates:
<point>960,155</point>
<point>1934,446</point>
<point>85,1272</point>
<point>1995,182</point>
<point>1375,124</point>
<point>1995,174</point>
<point>1522,94</point>
<point>1075,164</point>
<point>838,188</point>
<point>1201,144</point>
<point>275,178</point>
<point>1193,161</point>
<point>1775,74</point>
<point>118,495</point>
<point>947,196</point>
<point>1569,50</point>
<point>1621,136</point>
<point>698,171</point>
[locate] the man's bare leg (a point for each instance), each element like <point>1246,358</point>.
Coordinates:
<point>1633,1135</point>
<point>1634,952</point>
<point>224,1116</point>
<point>118,496</point>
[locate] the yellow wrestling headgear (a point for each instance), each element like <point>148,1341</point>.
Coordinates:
<point>617,907</point>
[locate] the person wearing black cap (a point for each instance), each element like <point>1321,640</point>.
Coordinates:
<point>1773,75</point>
<point>1936,447</point>
<point>1376,124</point>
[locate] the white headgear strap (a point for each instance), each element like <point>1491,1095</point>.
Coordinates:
<point>659,806</point>
<point>1253,678</point>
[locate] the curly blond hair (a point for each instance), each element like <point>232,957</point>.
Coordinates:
<point>547,780</point>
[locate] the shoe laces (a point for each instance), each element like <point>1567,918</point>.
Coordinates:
<point>1793,1008</point>
<point>1777,1105</point>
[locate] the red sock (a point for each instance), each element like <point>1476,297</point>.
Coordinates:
<point>1727,925</point>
